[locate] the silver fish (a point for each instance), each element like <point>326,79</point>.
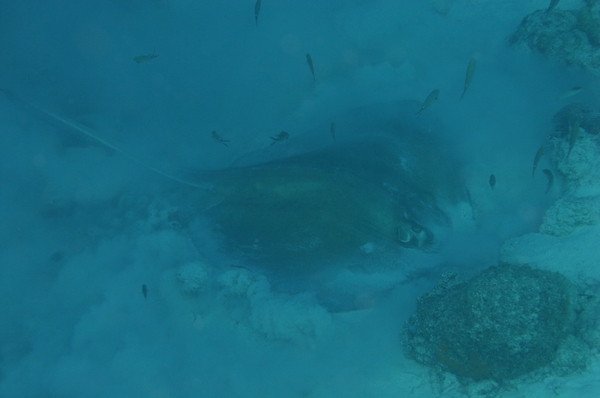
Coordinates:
<point>310,65</point>
<point>431,98</point>
<point>570,93</point>
<point>141,59</point>
<point>469,77</point>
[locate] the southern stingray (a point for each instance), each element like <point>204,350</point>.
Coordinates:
<point>311,202</point>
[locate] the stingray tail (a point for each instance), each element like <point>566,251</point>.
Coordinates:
<point>89,133</point>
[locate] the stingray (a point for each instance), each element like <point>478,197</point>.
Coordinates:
<point>302,205</point>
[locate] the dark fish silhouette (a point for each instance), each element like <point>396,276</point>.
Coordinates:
<point>310,65</point>
<point>553,3</point>
<point>537,158</point>
<point>492,181</point>
<point>141,59</point>
<point>550,179</point>
<point>332,130</point>
<point>280,137</point>
<point>145,291</point>
<point>573,136</point>
<point>218,138</point>
<point>256,11</point>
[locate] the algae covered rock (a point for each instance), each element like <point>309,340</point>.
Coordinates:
<point>572,36</point>
<point>575,155</point>
<point>569,214</point>
<point>588,20</point>
<point>502,324</point>
<point>589,119</point>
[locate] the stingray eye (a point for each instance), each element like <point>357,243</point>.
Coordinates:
<point>404,234</point>
<point>416,229</point>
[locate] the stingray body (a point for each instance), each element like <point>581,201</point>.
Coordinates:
<point>302,211</point>
<point>317,207</point>
<point>300,207</point>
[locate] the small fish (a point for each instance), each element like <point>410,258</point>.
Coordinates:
<point>429,101</point>
<point>570,93</point>
<point>280,137</point>
<point>256,11</point>
<point>218,138</point>
<point>550,179</point>
<point>470,73</point>
<point>310,65</point>
<point>140,59</point>
<point>553,4</point>
<point>492,181</point>
<point>145,291</point>
<point>537,158</point>
<point>573,138</point>
<point>332,130</point>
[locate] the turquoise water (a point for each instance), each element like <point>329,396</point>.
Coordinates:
<point>141,255</point>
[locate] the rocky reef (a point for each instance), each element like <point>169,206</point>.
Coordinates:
<point>502,324</point>
<point>571,225</point>
<point>575,155</point>
<point>572,36</point>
